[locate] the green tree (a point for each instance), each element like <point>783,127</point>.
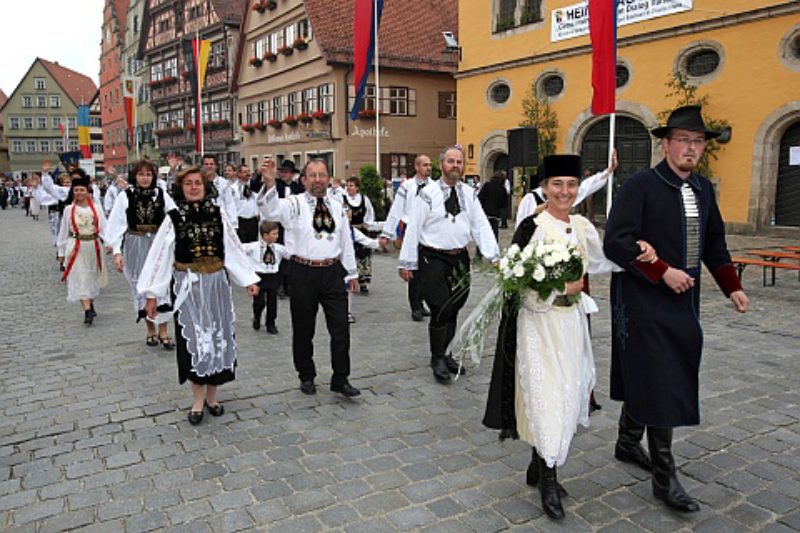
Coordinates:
<point>372,187</point>
<point>436,171</point>
<point>679,88</point>
<point>538,113</point>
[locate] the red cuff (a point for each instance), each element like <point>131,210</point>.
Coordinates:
<point>653,271</point>
<point>727,279</point>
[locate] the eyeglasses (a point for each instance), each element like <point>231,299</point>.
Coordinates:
<point>317,175</point>
<point>686,141</point>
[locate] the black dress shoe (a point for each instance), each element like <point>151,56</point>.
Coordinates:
<point>195,417</point>
<point>271,329</point>
<point>532,475</point>
<point>417,316</point>
<point>633,454</point>
<point>256,324</point>
<point>440,371</point>
<point>346,389</point>
<point>308,387</point>
<point>215,410</point>
<point>452,366</point>
<point>551,500</point>
<point>88,318</point>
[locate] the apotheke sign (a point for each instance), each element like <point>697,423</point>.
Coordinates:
<point>573,21</point>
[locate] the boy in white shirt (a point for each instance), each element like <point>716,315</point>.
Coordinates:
<point>267,254</point>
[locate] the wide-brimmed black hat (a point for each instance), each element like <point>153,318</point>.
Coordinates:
<point>288,164</point>
<point>687,118</point>
<point>560,165</point>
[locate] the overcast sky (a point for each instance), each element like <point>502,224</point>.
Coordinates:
<point>67,31</point>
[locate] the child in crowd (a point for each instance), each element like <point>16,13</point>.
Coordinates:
<point>267,254</point>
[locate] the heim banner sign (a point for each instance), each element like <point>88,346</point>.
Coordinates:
<point>573,21</point>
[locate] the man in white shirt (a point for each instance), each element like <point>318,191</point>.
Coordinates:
<point>402,208</point>
<point>246,206</point>
<point>318,238</point>
<point>226,198</point>
<point>446,217</point>
<point>114,188</point>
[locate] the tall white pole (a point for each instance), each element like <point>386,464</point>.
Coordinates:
<point>377,91</point>
<point>136,82</point>
<point>610,184</point>
<point>199,108</point>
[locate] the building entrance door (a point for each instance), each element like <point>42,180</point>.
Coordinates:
<point>633,152</point>
<point>787,191</point>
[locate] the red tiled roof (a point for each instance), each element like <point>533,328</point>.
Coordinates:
<point>410,33</point>
<point>76,86</point>
<point>229,11</point>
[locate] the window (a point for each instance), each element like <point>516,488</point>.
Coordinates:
<point>41,123</point>
<point>499,93</point>
<point>27,100</point>
<point>16,145</point>
<point>97,148</point>
<point>44,146</point>
<point>262,109</point>
<point>41,101</point>
<point>73,145</point>
<point>623,75</point>
<point>794,47</point>
<point>505,15</point>
<point>156,72</point>
<point>400,101</point>
<point>531,12</point>
<point>310,100</point>
<point>447,105</point>
<point>293,104</point>
<point>225,112</point>
<point>30,146</point>
<point>116,96</point>
<point>27,123</point>
<point>58,145</point>
<point>136,24</point>
<point>702,62</point>
<point>289,34</point>
<point>56,122</point>
<point>55,100</point>
<point>304,29</point>
<point>13,123</point>
<point>250,113</point>
<point>510,14</point>
<point>550,85</point>
<point>217,58</point>
<point>39,83</point>
<point>326,97</point>
<point>277,109</point>
<point>170,68</point>
<point>72,122</point>
<point>259,47</point>
<point>95,121</point>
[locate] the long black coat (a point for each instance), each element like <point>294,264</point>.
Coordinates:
<point>500,411</point>
<point>656,335</point>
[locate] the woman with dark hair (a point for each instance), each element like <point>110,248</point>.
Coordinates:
<point>362,215</point>
<point>194,253</point>
<point>79,246</point>
<point>137,214</point>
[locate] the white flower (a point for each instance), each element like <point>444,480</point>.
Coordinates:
<point>519,271</point>
<point>504,263</point>
<point>539,273</point>
<point>527,252</point>
<point>507,273</point>
<point>540,249</point>
<point>549,260</point>
<point>513,250</point>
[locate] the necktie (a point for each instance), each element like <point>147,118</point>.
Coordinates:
<point>269,256</point>
<point>246,191</point>
<point>323,221</point>
<point>421,186</point>
<point>451,204</point>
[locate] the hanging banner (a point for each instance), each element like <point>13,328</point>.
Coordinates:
<point>129,101</point>
<point>573,21</point>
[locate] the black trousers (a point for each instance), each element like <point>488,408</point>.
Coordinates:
<point>267,297</point>
<point>310,287</point>
<point>414,296</point>
<point>444,285</point>
<point>248,229</point>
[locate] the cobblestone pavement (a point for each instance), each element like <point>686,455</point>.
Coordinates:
<point>94,434</point>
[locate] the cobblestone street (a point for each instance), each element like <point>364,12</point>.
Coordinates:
<point>94,433</point>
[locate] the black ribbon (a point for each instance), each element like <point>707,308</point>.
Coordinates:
<point>323,221</point>
<point>451,204</point>
<point>269,256</point>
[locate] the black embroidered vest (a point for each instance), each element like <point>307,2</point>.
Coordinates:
<point>145,208</point>
<point>198,231</point>
<point>357,212</point>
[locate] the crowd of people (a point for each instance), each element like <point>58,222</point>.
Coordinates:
<point>280,231</point>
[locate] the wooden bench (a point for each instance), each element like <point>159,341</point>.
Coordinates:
<point>741,262</point>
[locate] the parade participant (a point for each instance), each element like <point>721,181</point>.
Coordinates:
<point>318,237</point>
<point>196,249</point>
<point>656,335</point>
<point>290,182</point>
<point>544,367</point>
<point>118,185</point>
<point>337,190</point>
<point>135,218</point>
<point>225,197</point>
<point>79,246</point>
<point>494,198</point>
<point>359,240</point>
<point>267,254</point>
<point>397,219</point>
<point>247,207</point>
<point>588,187</point>
<point>447,215</point>
<point>35,183</point>
<point>53,202</point>
<point>362,215</point>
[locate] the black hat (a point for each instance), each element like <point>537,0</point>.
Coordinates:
<point>687,118</point>
<point>79,178</point>
<point>288,164</point>
<point>560,165</point>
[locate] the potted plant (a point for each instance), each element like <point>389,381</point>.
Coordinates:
<point>290,120</point>
<point>275,123</point>
<point>271,4</point>
<point>260,126</point>
<point>256,61</point>
<point>259,6</point>
<point>269,56</point>
<point>322,116</point>
<point>189,127</point>
<point>305,118</point>
<point>154,83</point>
<point>367,113</point>
<point>300,43</point>
<point>285,50</point>
<point>169,80</point>
<point>246,126</point>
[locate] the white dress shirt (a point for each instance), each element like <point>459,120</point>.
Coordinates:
<point>295,213</point>
<point>403,205</point>
<point>227,200</point>
<point>245,207</point>
<point>255,251</point>
<point>588,187</point>
<point>431,225</point>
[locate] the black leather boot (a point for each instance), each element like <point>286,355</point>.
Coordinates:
<point>452,366</point>
<point>666,486</point>
<point>532,475</point>
<point>548,486</point>
<point>437,340</point>
<point>629,442</point>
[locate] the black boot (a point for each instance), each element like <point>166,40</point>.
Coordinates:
<point>452,366</point>
<point>87,317</point>
<point>437,338</point>
<point>629,442</point>
<point>551,501</point>
<point>532,475</point>
<point>666,486</point>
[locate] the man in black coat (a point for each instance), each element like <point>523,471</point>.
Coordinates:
<point>656,333</point>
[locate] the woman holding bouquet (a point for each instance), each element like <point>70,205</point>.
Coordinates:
<point>544,368</point>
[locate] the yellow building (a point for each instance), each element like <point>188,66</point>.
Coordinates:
<point>743,54</point>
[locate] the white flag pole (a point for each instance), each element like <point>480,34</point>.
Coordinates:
<point>377,91</point>
<point>136,82</point>
<point>610,184</point>
<point>199,108</point>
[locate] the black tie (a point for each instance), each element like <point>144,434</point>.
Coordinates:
<point>269,256</point>
<point>421,186</point>
<point>246,191</point>
<point>323,221</point>
<point>451,204</point>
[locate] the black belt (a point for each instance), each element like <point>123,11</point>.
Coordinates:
<point>454,251</point>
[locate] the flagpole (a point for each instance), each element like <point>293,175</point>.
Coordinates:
<point>135,117</point>
<point>610,184</point>
<point>199,110</point>
<point>377,91</point>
